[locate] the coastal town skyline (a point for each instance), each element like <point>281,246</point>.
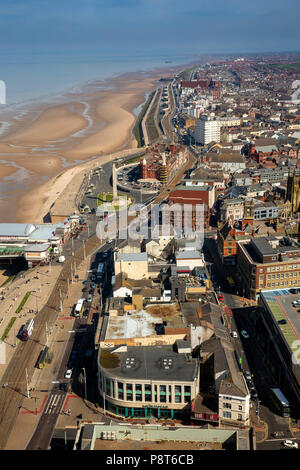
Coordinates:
<point>149,228</point>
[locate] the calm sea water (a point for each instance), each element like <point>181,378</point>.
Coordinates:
<point>36,76</point>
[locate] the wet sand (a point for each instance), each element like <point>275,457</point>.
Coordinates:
<point>45,140</point>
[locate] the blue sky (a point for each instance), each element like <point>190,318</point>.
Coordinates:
<point>194,26</point>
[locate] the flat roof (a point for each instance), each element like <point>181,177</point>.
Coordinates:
<point>155,363</point>
<point>279,302</point>
<point>16,230</point>
<point>132,256</point>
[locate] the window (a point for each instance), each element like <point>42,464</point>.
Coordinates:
<point>227,405</point>
<point>129,392</point>
<point>148,392</point>
<point>240,408</point>
<point>240,417</point>
<point>227,414</point>
<point>120,390</point>
<point>187,393</point>
<point>163,393</point>
<point>177,393</point>
<point>138,392</point>
<point>107,386</point>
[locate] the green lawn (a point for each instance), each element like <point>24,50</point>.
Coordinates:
<point>23,302</point>
<point>7,329</point>
<point>292,67</point>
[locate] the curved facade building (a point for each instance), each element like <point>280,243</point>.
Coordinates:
<point>147,382</point>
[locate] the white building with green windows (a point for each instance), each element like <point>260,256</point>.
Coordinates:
<point>147,381</point>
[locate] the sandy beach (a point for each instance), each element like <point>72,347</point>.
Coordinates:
<point>47,144</point>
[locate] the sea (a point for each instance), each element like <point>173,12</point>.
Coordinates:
<point>37,76</point>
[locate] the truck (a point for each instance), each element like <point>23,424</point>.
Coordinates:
<point>61,259</point>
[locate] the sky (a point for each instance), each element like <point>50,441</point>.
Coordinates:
<point>150,26</point>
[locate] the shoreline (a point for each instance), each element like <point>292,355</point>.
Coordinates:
<point>52,139</point>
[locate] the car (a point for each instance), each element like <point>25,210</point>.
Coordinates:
<point>221,298</point>
<point>74,355</point>
<point>84,289</point>
<point>68,374</point>
<point>290,444</point>
<point>247,375</point>
<point>296,302</point>
<point>89,298</point>
<point>63,386</point>
<point>93,285</point>
<point>84,282</point>
<point>234,334</point>
<point>253,394</point>
<point>85,313</point>
<point>244,334</point>
<point>93,277</point>
<point>282,322</point>
<point>294,291</point>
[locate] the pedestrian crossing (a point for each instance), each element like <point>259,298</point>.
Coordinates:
<point>54,404</point>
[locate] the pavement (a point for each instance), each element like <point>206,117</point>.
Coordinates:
<point>40,279</point>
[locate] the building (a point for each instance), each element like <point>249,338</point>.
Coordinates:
<point>293,191</point>
<point>207,130</point>
<point>147,381</point>
<point>196,197</point>
<point>267,263</point>
<point>232,209</point>
<point>280,342</point>
<point>161,162</point>
<point>133,265</point>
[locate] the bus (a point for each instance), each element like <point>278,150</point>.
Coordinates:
<point>79,308</point>
<point>27,330</point>
<point>280,402</point>
<point>42,358</point>
<point>100,271</point>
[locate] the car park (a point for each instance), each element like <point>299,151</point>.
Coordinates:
<point>244,334</point>
<point>290,444</point>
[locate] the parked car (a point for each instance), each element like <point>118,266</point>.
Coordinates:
<point>234,334</point>
<point>244,334</point>
<point>93,285</point>
<point>290,444</point>
<point>296,302</point>
<point>93,277</point>
<point>251,385</point>
<point>294,291</point>
<point>282,322</point>
<point>253,394</point>
<point>68,374</point>
<point>221,298</point>
<point>89,298</point>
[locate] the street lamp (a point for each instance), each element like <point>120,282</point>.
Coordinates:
<point>84,376</point>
